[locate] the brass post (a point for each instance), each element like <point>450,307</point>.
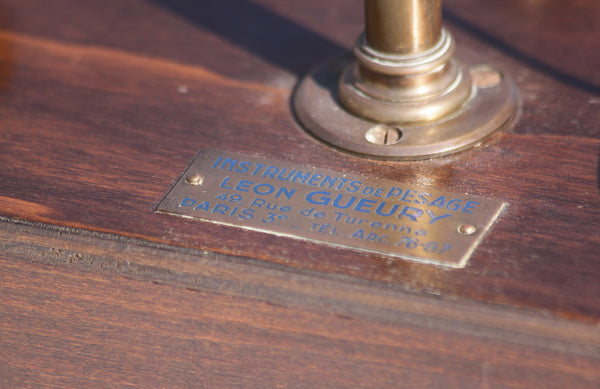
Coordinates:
<point>404,94</point>
<point>403,26</point>
<point>404,71</point>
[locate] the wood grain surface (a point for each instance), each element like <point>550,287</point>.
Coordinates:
<point>103,104</point>
<point>80,310</point>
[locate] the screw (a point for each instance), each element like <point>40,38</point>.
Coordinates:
<point>195,179</point>
<point>485,76</point>
<point>467,229</point>
<point>384,135</point>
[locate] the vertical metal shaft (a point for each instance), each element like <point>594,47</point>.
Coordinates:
<point>403,26</point>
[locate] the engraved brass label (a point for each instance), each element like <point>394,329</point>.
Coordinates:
<point>389,218</point>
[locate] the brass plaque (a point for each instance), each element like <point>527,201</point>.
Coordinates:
<point>389,218</point>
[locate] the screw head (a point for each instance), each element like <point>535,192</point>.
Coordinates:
<point>195,179</point>
<point>485,76</point>
<point>467,229</point>
<point>384,135</point>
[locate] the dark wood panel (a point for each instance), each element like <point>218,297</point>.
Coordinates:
<point>105,313</point>
<point>555,38</point>
<point>94,136</point>
<point>104,103</point>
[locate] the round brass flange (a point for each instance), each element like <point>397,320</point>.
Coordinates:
<point>491,102</point>
<point>404,94</point>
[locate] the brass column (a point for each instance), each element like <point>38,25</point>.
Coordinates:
<point>403,27</point>
<point>404,72</point>
<point>404,94</point>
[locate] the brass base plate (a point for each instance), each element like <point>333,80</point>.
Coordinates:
<point>492,103</point>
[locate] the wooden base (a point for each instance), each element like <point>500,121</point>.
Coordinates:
<point>102,106</point>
